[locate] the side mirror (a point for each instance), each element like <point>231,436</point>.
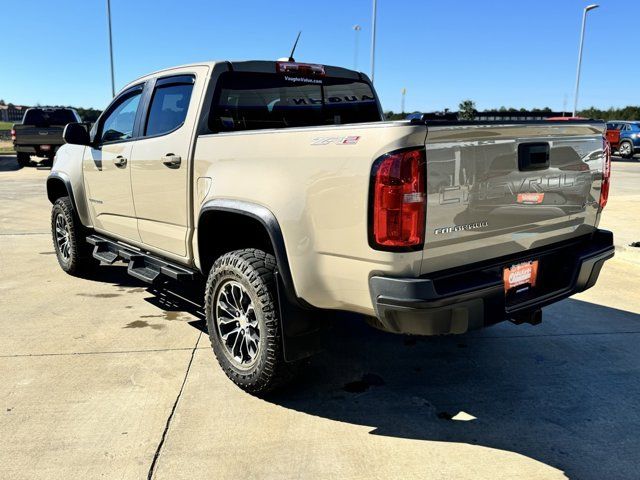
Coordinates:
<point>76,134</point>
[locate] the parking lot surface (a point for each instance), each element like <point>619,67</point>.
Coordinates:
<point>109,378</point>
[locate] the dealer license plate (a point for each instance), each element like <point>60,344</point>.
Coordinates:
<point>521,276</point>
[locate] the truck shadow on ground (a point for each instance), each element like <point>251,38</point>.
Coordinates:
<point>563,393</point>
<point>8,163</point>
<point>175,302</point>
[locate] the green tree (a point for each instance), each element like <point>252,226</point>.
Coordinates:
<point>467,110</point>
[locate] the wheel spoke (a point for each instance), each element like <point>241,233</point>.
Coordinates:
<point>227,309</point>
<point>233,347</point>
<point>226,336</point>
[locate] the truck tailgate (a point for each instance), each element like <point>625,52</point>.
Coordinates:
<point>496,190</point>
<point>31,135</point>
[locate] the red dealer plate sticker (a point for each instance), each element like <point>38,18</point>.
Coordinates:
<point>530,198</point>
<point>520,274</point>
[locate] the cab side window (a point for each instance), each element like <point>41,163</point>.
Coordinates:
<point>169,104</point>
<point>119,123</point>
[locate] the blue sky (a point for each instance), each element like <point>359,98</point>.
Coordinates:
<point>515,53</point>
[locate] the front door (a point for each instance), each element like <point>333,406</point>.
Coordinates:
<point>106,166</point>
<point>159,164</point>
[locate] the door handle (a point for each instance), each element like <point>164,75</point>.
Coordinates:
<point>120,161</point>
<point>171,160</point>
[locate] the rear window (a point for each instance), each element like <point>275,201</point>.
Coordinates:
<point>45,118</point>
<point>253,101</point>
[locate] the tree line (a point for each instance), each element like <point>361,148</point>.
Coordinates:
<point>467,111</point>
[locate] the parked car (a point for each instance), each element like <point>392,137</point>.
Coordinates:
<point>612,134</point>
<point>40,132</point>
<point>628,137</point>
<point>280,184</point>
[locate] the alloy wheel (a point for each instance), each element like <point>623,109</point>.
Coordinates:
<point>237,324</point>
<point>63,235</point>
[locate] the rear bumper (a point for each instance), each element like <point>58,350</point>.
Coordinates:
<point>473,297</point>
<point>36,150</point>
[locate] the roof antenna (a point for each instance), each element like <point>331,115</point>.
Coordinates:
<point>294,47</point>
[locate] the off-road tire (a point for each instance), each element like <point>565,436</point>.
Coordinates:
<point>255,271</point>
<point>630,152</point>
<point>78,260</point>
<point>24,159</point>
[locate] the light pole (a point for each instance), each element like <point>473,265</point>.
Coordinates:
<point>373,39</point>
<point>113,83</point>
<point>404,93</point>
<point>584,21</point>
<point>356,28</point>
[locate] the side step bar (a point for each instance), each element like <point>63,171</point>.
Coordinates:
<point>144,266</point>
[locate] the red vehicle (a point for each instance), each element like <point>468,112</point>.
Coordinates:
<point>613,135</point>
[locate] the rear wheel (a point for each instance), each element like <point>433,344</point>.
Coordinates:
<point>626,149</point>
<point>243,320</point>
<point>72,250</point>
<point>24,159</point>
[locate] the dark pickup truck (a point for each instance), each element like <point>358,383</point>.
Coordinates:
<point>40,132</point>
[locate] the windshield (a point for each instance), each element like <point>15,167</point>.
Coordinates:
<point>45,118</point>
<point>252,101</point>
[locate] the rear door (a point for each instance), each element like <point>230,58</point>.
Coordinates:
<point>499,190</point>
<point>106,167</point>
<point>160,177</point>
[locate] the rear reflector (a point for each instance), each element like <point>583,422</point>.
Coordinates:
<point>398,201</point>
<point>606,173</point>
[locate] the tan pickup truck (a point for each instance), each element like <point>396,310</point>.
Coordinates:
<point>281,185</point>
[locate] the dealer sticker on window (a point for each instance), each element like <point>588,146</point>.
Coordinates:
<point>521,274</point>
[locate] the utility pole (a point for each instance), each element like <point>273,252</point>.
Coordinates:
<point>113,83</point>
<point>373,39</point>
<point>404,93</point>
<point>584,21</point>
<point>356,28</point>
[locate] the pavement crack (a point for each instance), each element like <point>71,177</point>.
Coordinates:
<point>108,352</point>
<point>156,456</point>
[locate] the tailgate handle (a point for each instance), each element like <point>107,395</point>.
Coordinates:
<point>533,156</point>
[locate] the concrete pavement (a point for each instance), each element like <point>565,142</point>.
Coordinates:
<point>108,378</point>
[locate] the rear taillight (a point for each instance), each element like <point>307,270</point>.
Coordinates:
<point>13,135</point>
<point>606,173</point>
<point>398,201</point>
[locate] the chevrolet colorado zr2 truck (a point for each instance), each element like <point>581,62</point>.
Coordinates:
<point>281,185</point>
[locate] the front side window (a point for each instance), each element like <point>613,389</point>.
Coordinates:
<point>119,122</point>
<point>253,101</point>
<point>169,105</point>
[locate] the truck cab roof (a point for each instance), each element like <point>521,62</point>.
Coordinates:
<point>260,66</point>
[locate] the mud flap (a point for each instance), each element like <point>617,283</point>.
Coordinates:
<point>304,330</point>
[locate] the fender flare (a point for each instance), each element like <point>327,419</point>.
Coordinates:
<point>268,220</point>
<point>80,209</point>
<point>58,176</point>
